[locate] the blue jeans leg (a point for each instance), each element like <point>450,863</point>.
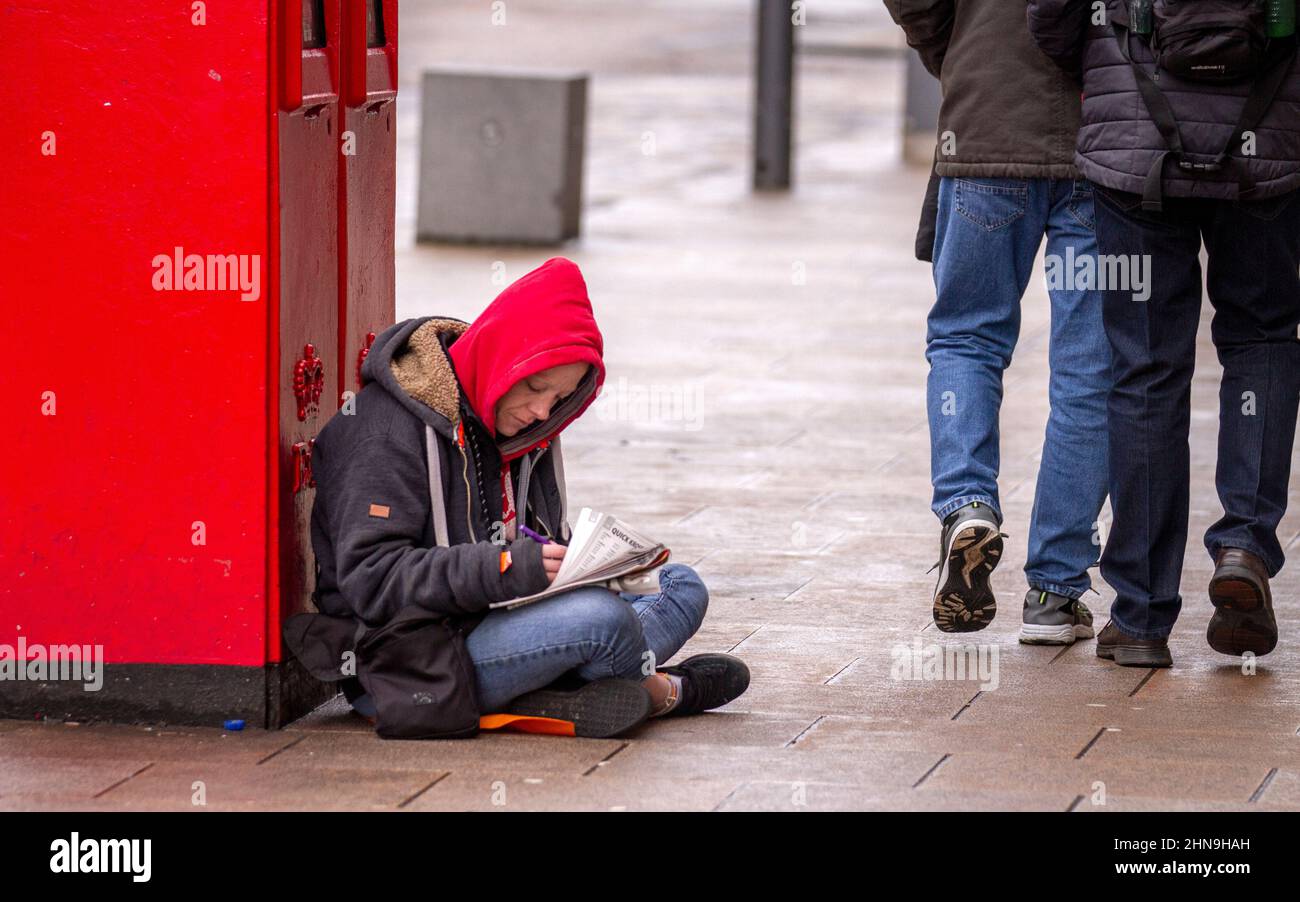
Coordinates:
<point>987,236</point>
<point>1063,532</point>
<point>673,615</point>
<point>593,632</point>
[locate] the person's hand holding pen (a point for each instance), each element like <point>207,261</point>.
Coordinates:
<point>552,553</point>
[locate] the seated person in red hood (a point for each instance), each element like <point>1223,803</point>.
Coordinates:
<point>480,408</point>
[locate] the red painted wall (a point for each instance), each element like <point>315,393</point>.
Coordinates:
<point>161,137</point>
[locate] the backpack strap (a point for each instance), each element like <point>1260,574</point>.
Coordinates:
<point>433,453</point>
<point>557,463</point>
<point>1262,92</point>
<point>1163,116</point>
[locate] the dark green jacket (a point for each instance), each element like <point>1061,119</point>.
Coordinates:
<point>1009,111</point>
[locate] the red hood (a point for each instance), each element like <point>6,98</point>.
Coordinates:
<point>543,319</point>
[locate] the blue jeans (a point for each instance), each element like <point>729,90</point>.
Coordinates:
<point>592,632</point>
<point>988,234</point>
<point>1253,251</point>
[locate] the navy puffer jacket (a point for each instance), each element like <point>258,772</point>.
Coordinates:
<point>1119,141</point>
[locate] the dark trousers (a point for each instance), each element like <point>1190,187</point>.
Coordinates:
<point>1253,250</point>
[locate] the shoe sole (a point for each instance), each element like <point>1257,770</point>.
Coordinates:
<point>1067,634</point>
<point>598,710</point>
<point>963,600</point>
<point>1243,614</point>
<point>1136,655</point>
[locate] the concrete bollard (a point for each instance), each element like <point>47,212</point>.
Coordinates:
<point>501,156</point>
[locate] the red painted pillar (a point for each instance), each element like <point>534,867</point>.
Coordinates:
<point>178,296</point>
<point>367,180</point>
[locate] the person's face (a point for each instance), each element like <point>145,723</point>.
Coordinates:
<point>531,400</point>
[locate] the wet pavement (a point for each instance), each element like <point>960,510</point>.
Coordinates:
<point>765,418</point>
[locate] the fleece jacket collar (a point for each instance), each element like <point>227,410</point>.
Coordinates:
<point>409,362</point>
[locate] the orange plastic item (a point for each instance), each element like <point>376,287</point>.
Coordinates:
<point>522,723</point>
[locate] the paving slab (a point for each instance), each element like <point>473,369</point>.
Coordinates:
<point>202,785</point>
<point>29,782</point>
<point>510,753</point>
<point>480,791</point>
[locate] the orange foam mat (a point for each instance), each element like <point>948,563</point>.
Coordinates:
<point>522,723</point>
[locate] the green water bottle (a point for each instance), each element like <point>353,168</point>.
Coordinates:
<point>1140,11</point>
<point>1281,18</point>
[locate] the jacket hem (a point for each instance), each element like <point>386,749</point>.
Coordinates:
<point>1007,170</point>
<point>1203,189</point>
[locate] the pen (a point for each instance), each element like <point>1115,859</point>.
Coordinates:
<point>536,537</point>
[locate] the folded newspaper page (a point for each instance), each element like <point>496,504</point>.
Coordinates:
<point>602,547</point>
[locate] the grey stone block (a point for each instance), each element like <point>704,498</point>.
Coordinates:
<point>501,156</point>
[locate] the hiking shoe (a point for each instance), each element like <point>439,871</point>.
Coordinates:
<point>1051,619</point>
<point>970,546</point>
<point>1243,605</point>
<point>597,710</point>
<point>708,682</point>
<point>1123,649</point>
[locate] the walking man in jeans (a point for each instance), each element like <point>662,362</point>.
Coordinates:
<point>1006,132</point>
<point>1252,238</point>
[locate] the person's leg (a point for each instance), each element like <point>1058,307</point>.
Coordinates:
<point>590,631</point>
<point>987,237</point>
<point>674,614</point>
<point>1072,473</point>
<point>1153,347</point>
<point>669,618</point>
<point>1252,281</point>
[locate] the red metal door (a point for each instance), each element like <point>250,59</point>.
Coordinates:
<point>308,119</point>
<point>367,176</point>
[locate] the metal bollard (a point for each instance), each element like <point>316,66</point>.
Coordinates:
<point>774,95</point>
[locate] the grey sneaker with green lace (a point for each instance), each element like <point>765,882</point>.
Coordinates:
<point>1051,619</point>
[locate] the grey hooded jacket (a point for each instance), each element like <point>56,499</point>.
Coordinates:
<point>1118,140</point>
<point>376,524</point>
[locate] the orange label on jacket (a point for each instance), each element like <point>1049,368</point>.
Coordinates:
<point>505,561</point>
<point>380,510</point>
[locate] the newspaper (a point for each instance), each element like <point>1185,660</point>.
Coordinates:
<point>602,547</point>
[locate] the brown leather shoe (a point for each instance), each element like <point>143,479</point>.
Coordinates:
<point>1122,648</point>
<point>1243,605</point>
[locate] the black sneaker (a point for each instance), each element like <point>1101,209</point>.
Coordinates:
<point>708,682</point>
<point>597,710</point>
<point>1051,619</point>
<point>970,547</point>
